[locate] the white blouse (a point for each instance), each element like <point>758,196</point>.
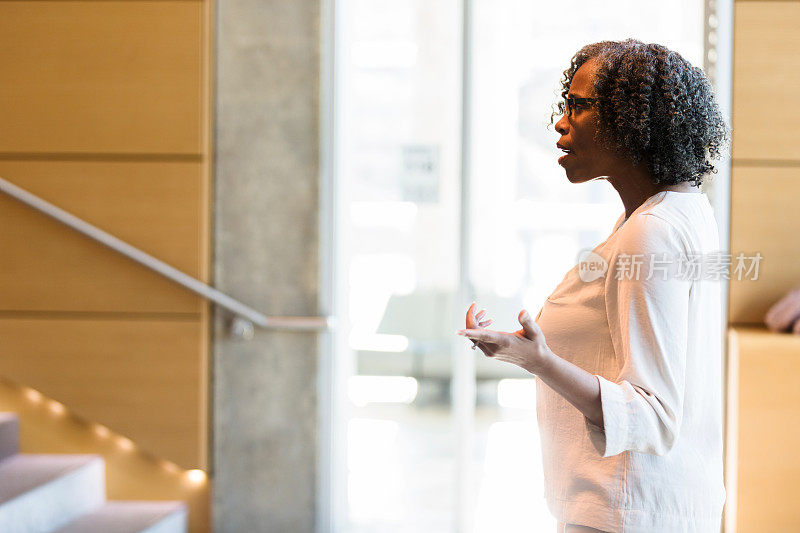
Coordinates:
<point>653,340</point>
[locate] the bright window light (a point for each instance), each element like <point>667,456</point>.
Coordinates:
<point>378,342</point>
<point>507,499</point>
<point>373,271</point>
<point>373,461</point>
<point>562,216</point>
<point>398,215</point>
<point>364,390</point>
<point>517,393</point>
<point>384,54</point>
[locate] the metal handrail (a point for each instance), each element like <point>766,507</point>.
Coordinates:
<point>246,316</point>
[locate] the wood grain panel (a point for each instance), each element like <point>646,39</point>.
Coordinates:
<point>765,402</point>
<point>766,80</point>
<point>159,207</point>
<point>84,76</point>
<point>144,379</point>
<point>765,218</point>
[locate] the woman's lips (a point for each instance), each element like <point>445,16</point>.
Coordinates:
<point>567,152</point>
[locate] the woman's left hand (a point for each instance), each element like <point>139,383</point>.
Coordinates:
<point>525,348</point>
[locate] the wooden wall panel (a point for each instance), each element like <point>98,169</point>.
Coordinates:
<point>142,378</point>
<point>105,109</point>
<point>130,474</point>
<point>763,403</point>
<point>765,218</point>
<point>112,76</point>
<point>159,207</point>
<point>766,81</point>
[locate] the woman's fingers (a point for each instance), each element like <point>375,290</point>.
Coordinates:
<point>473,319</point>
<point>471,311</point>
<point>484,335</point>
<point>471,315</point>
<point>474,322</point>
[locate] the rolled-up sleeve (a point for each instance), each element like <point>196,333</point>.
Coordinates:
<point>648,320</point>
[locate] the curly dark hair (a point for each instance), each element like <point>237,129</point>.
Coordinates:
<point>654,106</point>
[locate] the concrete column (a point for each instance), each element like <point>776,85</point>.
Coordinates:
<point>266,254</point>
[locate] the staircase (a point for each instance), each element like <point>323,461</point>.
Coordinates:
<point>66,494</point>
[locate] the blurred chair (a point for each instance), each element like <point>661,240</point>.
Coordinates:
<point>425,318</point>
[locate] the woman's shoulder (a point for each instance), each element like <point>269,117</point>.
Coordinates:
<point>650,231</point>
<point>691,218</point>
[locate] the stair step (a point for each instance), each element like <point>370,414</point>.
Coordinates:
<point>9,435</point>
<point>131,517</point>
<point>41,492</point>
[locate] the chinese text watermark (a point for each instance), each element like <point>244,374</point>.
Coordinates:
<point>712,266</point>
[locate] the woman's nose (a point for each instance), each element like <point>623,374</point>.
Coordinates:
<point>562,126</point>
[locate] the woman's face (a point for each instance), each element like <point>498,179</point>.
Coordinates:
<point>586,158</point>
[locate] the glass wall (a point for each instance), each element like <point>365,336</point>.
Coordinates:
<point>399,104</point>
<point>398,71</point>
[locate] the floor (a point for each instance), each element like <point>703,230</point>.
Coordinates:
<point>402,477</point>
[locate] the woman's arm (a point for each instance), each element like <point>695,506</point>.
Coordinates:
<point>528,349</point>
<point>648,318</point>
<point>576,385</point>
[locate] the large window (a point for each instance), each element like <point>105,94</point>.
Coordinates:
<point>399,107</point>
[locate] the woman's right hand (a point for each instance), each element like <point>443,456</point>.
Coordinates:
<point>473,319</point>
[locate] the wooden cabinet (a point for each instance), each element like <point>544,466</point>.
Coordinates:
<point>762,459</point>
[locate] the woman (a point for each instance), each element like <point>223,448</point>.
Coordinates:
<point>627,359</point>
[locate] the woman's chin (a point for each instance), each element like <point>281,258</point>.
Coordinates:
<point>577,178</point>
<point>581,175</point>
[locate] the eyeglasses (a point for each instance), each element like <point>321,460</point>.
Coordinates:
<point>571,103</point>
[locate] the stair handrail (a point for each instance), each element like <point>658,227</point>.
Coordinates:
<point>245,316</point>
